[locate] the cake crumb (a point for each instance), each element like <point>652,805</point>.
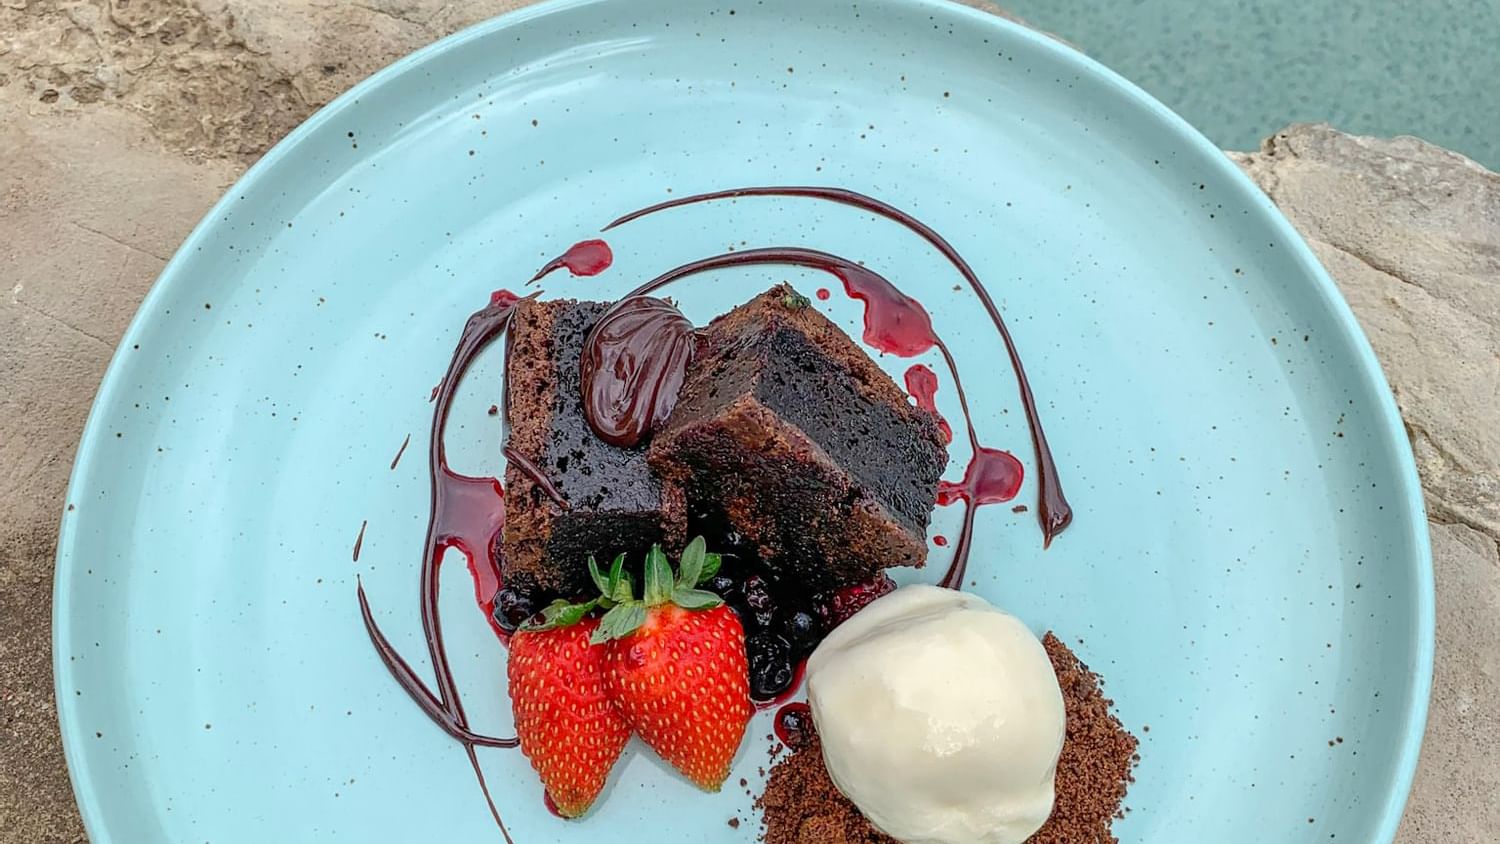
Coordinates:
<point>1097,756</point>
<point>801,805</point>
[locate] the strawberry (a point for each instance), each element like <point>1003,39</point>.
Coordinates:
<point>676,668</point>
<point>567,725</point>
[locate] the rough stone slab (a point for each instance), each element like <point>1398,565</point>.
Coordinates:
<point>121,121</point>
<point>1454,797</point>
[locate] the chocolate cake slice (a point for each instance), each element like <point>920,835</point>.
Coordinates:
<point>807,447</point>
<point>569,494</point>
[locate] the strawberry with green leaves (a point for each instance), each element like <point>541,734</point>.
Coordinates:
<point>675,664</point>
<point>568,726</point>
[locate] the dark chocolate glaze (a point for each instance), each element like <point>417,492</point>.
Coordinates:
<point>531,471</point>
<point>359,540</point>
<point>400,451</point>
<point>1053,510</point>
<point>922,385</point>
<point>634,362</point>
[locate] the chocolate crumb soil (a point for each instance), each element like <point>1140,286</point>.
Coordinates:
<point>801,805</point>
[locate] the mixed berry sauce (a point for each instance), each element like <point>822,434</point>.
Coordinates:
<point>585,258</point>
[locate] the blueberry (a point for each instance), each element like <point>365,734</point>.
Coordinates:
<point>770,665</point>
<point>721,585</point>
<point>758,594</point>
<point>802,631</point>
<point>758,599</point>
<point>512,607</point>
<point>794,725</point>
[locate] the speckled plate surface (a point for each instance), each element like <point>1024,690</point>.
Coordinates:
<point>1248,567</point>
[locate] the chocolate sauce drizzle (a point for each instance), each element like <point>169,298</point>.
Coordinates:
<point>359,541</point>
<point>530,470</point>
<point>1053,510</point>
<point>400,451</point>
<point>465,513</point>
<point>633,364</point>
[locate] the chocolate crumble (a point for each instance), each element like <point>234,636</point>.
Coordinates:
<point>801,805</point>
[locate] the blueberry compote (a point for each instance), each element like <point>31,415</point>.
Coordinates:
<point>783,623</point>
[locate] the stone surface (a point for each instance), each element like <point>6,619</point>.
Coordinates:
<point>121,121</point>
<point>1454,795</point>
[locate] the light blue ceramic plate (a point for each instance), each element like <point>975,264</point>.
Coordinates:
<point>1248,568</point>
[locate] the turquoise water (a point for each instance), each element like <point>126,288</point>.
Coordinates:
<point>1239,70</point>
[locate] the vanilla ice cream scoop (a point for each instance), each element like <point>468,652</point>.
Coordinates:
<point>940,717</point>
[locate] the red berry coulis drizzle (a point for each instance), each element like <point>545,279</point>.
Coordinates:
<point>589,257</point>
<point>922,384</point>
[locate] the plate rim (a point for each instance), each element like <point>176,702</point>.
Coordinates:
<point>1327,291</point>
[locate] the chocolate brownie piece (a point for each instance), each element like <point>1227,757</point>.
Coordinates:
<point>611,501</point>
<point>808,448</point>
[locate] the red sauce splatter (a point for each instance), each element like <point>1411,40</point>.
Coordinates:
<point>992,476</point>
<point>922,384</point>
<point>823,294</point>
<point>894,322</point>
<point>588,257</point>
<point>940,541</point>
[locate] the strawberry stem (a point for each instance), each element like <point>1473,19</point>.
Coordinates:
<point>625,613</point>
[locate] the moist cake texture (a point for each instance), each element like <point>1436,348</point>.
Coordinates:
<point>614,502</point>
<point>806,446</point>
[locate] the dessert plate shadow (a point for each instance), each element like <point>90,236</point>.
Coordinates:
<point>1248,565</point>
